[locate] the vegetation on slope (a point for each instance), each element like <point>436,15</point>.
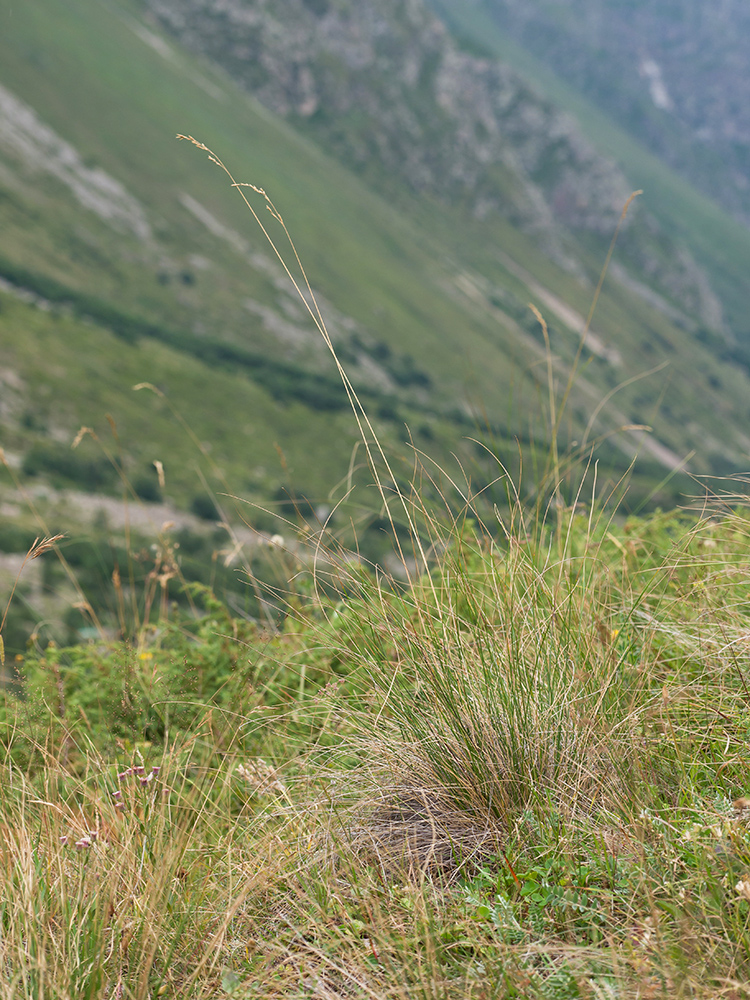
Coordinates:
<point>514,765</point>
<point>413,289</point>
<point>720,244</point>
<point>517,768</point>
<point>524,775</point>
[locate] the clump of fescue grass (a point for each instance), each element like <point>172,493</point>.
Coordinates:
<point>513,679</point>
<point>406,845</point>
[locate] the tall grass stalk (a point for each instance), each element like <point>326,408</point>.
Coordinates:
<point>507,695</point>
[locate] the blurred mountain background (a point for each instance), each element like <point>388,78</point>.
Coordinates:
<point>674,75</point>
<point>441,167</point>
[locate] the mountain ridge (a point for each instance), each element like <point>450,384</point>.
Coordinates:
<point>675,76</point>
<point>385,88</point>
<point>430,314</point>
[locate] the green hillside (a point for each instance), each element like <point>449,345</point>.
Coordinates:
<point>185,283</point>
<point>118,93</point>
<point>491,743</point>
<point>126,257</point>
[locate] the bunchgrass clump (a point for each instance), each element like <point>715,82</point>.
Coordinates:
<point>525,774</point>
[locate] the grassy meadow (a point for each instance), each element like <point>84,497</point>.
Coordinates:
<point>489,742</point>
<point>522,774</point>
<point>513,765</point>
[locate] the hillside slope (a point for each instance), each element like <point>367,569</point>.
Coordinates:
<point>719,243</point>
<point>674,75</point>
<point>384,88</point>
<point>106,217</point>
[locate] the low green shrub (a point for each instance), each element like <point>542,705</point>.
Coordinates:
<point>65,468</point>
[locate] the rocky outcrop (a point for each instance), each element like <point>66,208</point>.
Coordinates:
<point>382,85</point>
<point>676,75</point>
